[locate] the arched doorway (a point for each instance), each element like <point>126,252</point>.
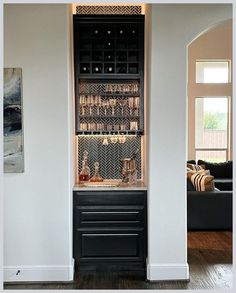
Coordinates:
<point>210,139</point>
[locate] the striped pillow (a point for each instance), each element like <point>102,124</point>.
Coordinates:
<point>194,167</point>
<point>202,172</point>
<point>202,182</point>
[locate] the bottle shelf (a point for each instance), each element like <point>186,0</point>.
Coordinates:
<point>105,132</point>
<point>109,117</point>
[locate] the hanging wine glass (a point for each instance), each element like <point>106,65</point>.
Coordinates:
<point>98,102</point>
<point>112,103</point>
<point>82,102</point>
<point>90,103</point>
<point>131,104</point>
<point>105,105</point>
<point>136,105</point>
<point>122,102</point>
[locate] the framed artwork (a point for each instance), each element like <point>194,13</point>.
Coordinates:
<point>13,130</point>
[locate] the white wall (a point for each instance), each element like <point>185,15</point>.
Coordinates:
<point>173,28</point>
<point>214,44</point>
<point>37,203</point>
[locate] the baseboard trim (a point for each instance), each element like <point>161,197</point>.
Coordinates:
<point>164,272</point>
<point>58,273</point>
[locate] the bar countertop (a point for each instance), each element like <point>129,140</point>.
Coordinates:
<point>109,185</point>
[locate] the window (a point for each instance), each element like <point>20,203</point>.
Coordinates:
<point>212,128</point>
<point>213,71</point>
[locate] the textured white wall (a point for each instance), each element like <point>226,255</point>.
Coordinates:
<point>37,203</point>
<point>173,28</point>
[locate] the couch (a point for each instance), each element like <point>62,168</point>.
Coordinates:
<point>212,210</point>
<point>223,173</point>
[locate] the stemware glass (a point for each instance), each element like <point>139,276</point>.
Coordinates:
<point>90,103</point>
<point>98,102</point>
<point>82,101</point>
<point>119,88</point>
<point>131,104</point>
<point>112,103</point>
<point>107,88</point>
<point>122,102</point>
<point>136,105</point>
<point>105,105</point>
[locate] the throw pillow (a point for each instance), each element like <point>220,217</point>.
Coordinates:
<point>194,167</point>
<point>202,182</point>
<point>218,170</point>
<point>191,162</point>
<point>202,172</point>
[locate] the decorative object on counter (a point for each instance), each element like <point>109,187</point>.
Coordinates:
<point>96,177</point>
<point>13,132</point>
<point>85,172</point>
<point>128,169</point>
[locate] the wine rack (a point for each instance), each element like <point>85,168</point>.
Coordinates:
<point>108,51</point>
<point>109,45</point>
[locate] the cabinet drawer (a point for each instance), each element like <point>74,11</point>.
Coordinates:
<point>109,198</point>
<point>111,245</point>
<point>86,216</point>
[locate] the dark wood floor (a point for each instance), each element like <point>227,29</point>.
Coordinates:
<point>209,258</point>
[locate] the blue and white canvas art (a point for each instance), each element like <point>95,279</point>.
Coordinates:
<point>13,131</point>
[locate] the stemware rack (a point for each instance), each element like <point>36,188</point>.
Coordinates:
<point>109,107</point>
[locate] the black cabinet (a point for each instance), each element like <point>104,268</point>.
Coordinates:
<point>109,230</point>
<point>99,39</point>
<point>109,74</point>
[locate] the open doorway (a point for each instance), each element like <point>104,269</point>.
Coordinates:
<point>210,160</point>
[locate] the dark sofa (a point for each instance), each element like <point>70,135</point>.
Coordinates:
<point>223,173</point>
<point>209,210</point>
<point>212,210</point>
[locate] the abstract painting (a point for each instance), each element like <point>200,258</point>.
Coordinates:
<point>13,131</point>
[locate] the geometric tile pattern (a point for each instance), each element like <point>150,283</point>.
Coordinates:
<point>109,156</point>
<point>130,10</point>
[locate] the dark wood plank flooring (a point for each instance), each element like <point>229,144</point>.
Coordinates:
<point>210,263</point>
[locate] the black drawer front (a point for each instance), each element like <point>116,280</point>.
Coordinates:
<point>109,230</point>
<point>109,198</point>
<point>87,216</point>
<point>110,245</point>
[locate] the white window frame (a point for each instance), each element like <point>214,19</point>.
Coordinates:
<point>214,61</point>
<point>227,149</point>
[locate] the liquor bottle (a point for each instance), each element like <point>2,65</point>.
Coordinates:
<point>85,172</point>
<point>96,177</point>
